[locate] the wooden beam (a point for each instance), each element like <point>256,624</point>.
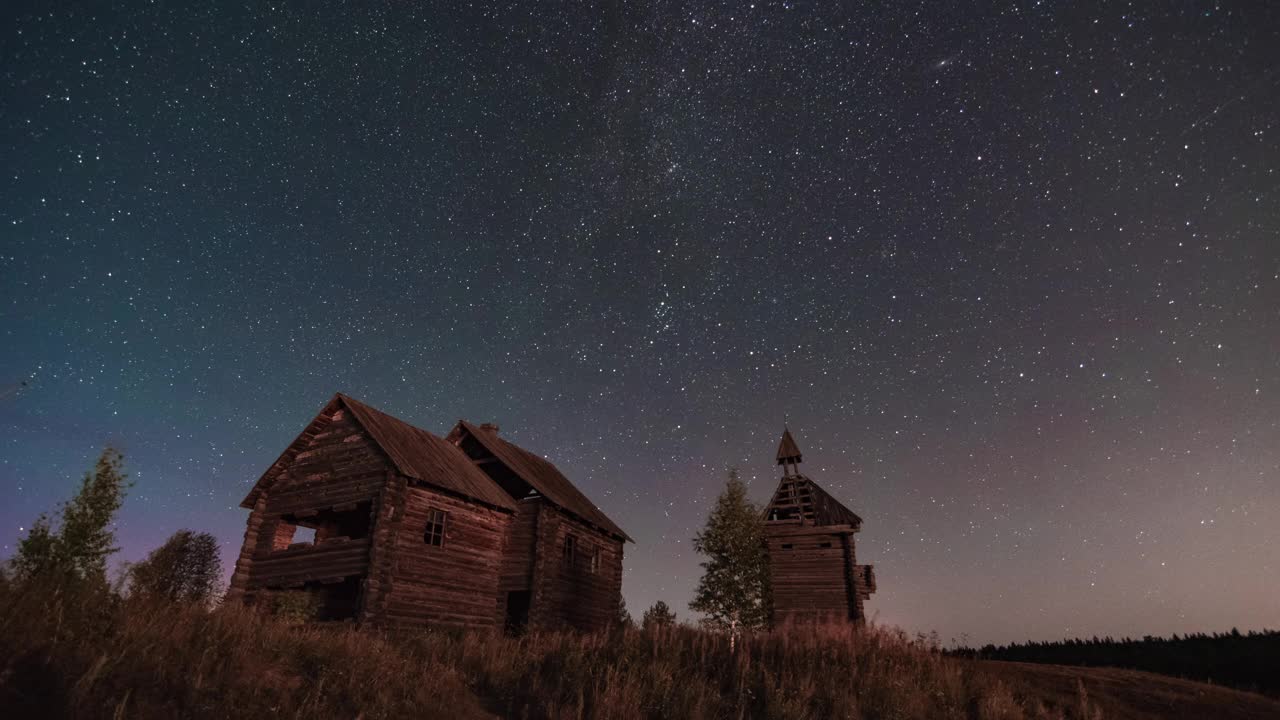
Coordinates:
<point>810,526</point>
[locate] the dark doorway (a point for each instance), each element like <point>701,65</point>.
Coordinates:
<point>517,612</point>
<point>338,600</point>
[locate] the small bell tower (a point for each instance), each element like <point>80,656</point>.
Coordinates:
<point>812,558</point>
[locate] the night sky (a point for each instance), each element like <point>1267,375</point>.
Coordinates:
<point>1010,273</point>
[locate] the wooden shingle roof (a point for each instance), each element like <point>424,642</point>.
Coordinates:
<point>414,452</point>
<point>542,476</point>
<point>423,456</point>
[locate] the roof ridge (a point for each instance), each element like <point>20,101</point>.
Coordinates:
<point>464,478</point>
<point>410,450</point>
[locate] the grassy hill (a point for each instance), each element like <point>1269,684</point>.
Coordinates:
<point>86,654</point>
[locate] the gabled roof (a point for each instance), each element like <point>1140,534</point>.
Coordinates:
<point>541,475</point>
<point>788,451</point>
<point>413,452</point>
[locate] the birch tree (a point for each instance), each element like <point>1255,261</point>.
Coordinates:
<point>733,593</point>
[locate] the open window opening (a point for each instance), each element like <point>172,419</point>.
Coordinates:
<point>594,564</point>
<point>505,477</point>
<point>350,521</point>
<point>784,514</point>
<point>344,522</point>
<point>786,546</point>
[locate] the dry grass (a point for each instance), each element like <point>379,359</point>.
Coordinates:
<point>828,672</point>
<point>87,655</point>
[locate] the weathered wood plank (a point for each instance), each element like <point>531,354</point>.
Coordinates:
<point>572,595</point>
<point>309,562</point>
<point>458,579</point>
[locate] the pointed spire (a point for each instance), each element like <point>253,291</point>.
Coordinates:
<point>788,451</point>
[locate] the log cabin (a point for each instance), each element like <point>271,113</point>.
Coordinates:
<point>370,519</point>
<point>812,559</point>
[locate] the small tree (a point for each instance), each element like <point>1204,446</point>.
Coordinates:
<point>37,552</point>
<point>186,568</point>
<point>734,590</point>
<point>79,548</point>
<point>659,615</point>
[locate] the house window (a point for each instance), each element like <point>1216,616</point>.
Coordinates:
<point>570,550</point>
<point>786,546</point>
<point>434,534</point>
<point>595,560</point>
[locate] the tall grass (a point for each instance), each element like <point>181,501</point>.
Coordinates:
<point>681,672</point>
<point>76,653</point>
<point>88,654</point>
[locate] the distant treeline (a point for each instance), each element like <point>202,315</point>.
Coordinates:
<point>1249,661</point>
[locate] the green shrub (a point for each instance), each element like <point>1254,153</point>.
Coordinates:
<point>294,606</point>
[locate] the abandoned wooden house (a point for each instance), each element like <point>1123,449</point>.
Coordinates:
<point>812,562</point>
<point>380,522</point>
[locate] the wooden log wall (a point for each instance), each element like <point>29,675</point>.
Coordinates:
<point>452,585</point>
<point>244,561</point>
<point>573,596</point>
<point>388,513</point>
<point>811,574</point>
<point>517,563</point>
<point>327,561</point>
<point>339,466</point>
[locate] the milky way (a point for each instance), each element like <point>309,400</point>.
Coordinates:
<point>1012,275</point>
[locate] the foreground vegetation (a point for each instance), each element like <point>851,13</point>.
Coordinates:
<point>89,653</point>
